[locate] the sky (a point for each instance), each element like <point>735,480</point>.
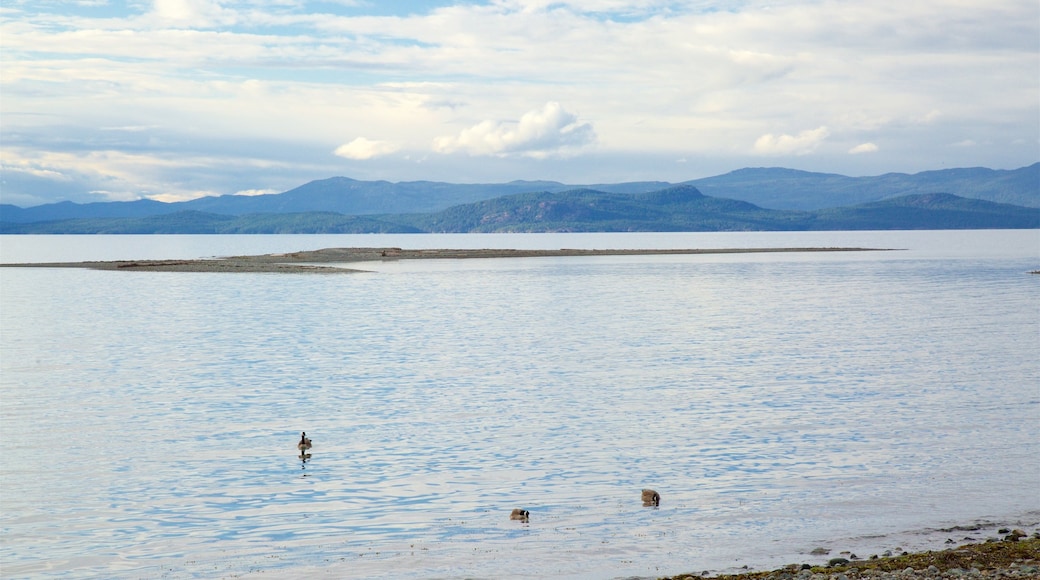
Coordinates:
<point>117,100</point>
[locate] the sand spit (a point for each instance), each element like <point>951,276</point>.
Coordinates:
<point>309,261</point>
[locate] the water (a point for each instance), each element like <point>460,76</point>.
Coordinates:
<point>778,402</point>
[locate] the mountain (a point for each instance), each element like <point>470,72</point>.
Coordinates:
<point>335,194</point>
<point>775,188</point>
<point>927,212</point>
<point>685,208</point>
<point>678,208</point>
<point>779,188</point>
<point>197,222</point>
<point>350,196</point>
<point>70,210</point>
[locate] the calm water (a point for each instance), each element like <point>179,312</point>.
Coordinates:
<point>778,402</point>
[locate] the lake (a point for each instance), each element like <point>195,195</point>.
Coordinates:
<point>778,402</point>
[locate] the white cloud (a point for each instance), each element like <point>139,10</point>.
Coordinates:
<point>191,13</point>
<point>864,148</point>
<point>539,133</point>
<point>801,144</point>
<point>622,7</point>
<point>22,166</point>
<point>117,171</point>
<point>110,175</point>
<point>929,117</point>
<point>362,148</point>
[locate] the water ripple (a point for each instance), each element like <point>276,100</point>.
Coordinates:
<point>771,401</point>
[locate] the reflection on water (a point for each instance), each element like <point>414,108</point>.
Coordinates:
<point>775,402</point>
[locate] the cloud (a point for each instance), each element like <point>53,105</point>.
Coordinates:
<point>254,192</point>
<point>805,142</point>
<point>702,80</point>
<point>864,148</point>
<point>929,117</point>
<point>106,174</point>
<point>191,13</point>
<point>31,177</point>
<point>361,148</point>
<point>539,133</point>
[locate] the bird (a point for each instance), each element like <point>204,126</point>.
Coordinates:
<point>651,498</point>
<point>519,514</point>
<point>304,443</point>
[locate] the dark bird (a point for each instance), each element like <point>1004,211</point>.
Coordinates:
<point>651,498</point>
<point>519,514</point>
<point>304,443</point>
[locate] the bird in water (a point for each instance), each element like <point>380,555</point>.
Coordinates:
<point>519,514</point>
<point>651,498</point>
<point>304,443</point>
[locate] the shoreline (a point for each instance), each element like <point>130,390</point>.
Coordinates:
<point>1015,555</point>
<point>309,261</point>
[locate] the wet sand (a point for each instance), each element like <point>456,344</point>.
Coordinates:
<point>311,261</point>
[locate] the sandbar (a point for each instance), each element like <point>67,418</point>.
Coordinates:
<point>310,262</point>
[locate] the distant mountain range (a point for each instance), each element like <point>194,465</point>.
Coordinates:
<point>678,208</point>
<point>736,201</point>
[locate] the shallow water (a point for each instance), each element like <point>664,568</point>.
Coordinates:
<point>777,401</point>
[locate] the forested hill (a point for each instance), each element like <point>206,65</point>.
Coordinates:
<point>679,208</point>
<point>791,189</point>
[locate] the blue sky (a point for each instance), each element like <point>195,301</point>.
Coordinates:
<point>104,100</point>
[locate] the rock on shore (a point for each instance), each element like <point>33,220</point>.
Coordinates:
<point>1009,558</point>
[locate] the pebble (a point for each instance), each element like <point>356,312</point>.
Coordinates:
<point>1015,535</point>
<point>1019,570</point>
<point>1015,572</point>
<point>820,552</point>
